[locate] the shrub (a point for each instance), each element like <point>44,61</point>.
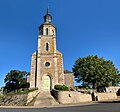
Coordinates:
<point>61,87</point>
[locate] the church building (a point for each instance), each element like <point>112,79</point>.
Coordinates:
<point>47,62</point>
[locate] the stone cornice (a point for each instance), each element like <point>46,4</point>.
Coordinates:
<point>46,36</point>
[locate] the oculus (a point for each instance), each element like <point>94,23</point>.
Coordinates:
<point>47,64</point>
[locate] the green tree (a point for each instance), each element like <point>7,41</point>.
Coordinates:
<point>96,72</point>
<point>15,80</point>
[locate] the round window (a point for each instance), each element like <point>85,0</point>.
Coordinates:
<point>47,64</point>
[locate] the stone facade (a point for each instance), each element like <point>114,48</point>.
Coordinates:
<point>47,62</point>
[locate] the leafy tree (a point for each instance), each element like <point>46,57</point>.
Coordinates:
<point>15,80</point>
<point>96,72</point>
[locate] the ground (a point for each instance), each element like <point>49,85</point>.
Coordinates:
<point>97,107</point>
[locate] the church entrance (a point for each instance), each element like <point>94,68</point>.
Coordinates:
<point>47,83</point>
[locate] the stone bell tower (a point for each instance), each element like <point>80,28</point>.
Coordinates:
<point>47,62</point>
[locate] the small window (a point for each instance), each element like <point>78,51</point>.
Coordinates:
<point>46,31</point>
<point>47,47</point>
<point>52,32</point>
<point>41,32</point>
<point>47,64</point>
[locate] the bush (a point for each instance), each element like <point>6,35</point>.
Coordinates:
<point>61,87</point>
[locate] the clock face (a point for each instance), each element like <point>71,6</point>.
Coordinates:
<point>47,64</point>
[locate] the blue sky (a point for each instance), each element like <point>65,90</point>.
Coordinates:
<point>84,27</point>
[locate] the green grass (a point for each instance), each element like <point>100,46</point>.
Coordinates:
<point>1,97</point>
<point>21,92</point>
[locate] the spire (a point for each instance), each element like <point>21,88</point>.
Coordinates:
<point>47,17</point>
<point>48,7</point>
<point>47,10</point>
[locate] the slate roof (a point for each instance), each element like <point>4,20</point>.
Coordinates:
<point>67,71</point>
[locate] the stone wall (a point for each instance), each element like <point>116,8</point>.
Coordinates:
<point>14,100</point>
<point>69,79</point>
<point>18,100</point>
<point>69,97</point>
<point>113,89</point>
<point>105,96</point>
<point>32,77</point>
<point>31,96</point>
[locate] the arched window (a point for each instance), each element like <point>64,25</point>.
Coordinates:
<point>47,47</point>
<point>41,32</point>
<point>52,32</point>
<point>46,31</point>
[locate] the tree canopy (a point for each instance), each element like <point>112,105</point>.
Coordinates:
<point>15,80</point>
<point>96,72</point>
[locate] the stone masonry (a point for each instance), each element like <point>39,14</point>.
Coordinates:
<point>47,62</point>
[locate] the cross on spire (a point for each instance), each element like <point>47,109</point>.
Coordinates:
<point>47,10</point>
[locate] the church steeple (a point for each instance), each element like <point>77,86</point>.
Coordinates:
<point>47,28</point>
<point>47,17</point>
<point>47,62</point>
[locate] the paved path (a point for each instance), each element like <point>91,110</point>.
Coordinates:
<point>44,99</point>
<point>99,107</point>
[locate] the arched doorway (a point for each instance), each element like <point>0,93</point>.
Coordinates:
<point>47,82</point>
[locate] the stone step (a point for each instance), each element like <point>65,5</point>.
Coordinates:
<point>45,99</point>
